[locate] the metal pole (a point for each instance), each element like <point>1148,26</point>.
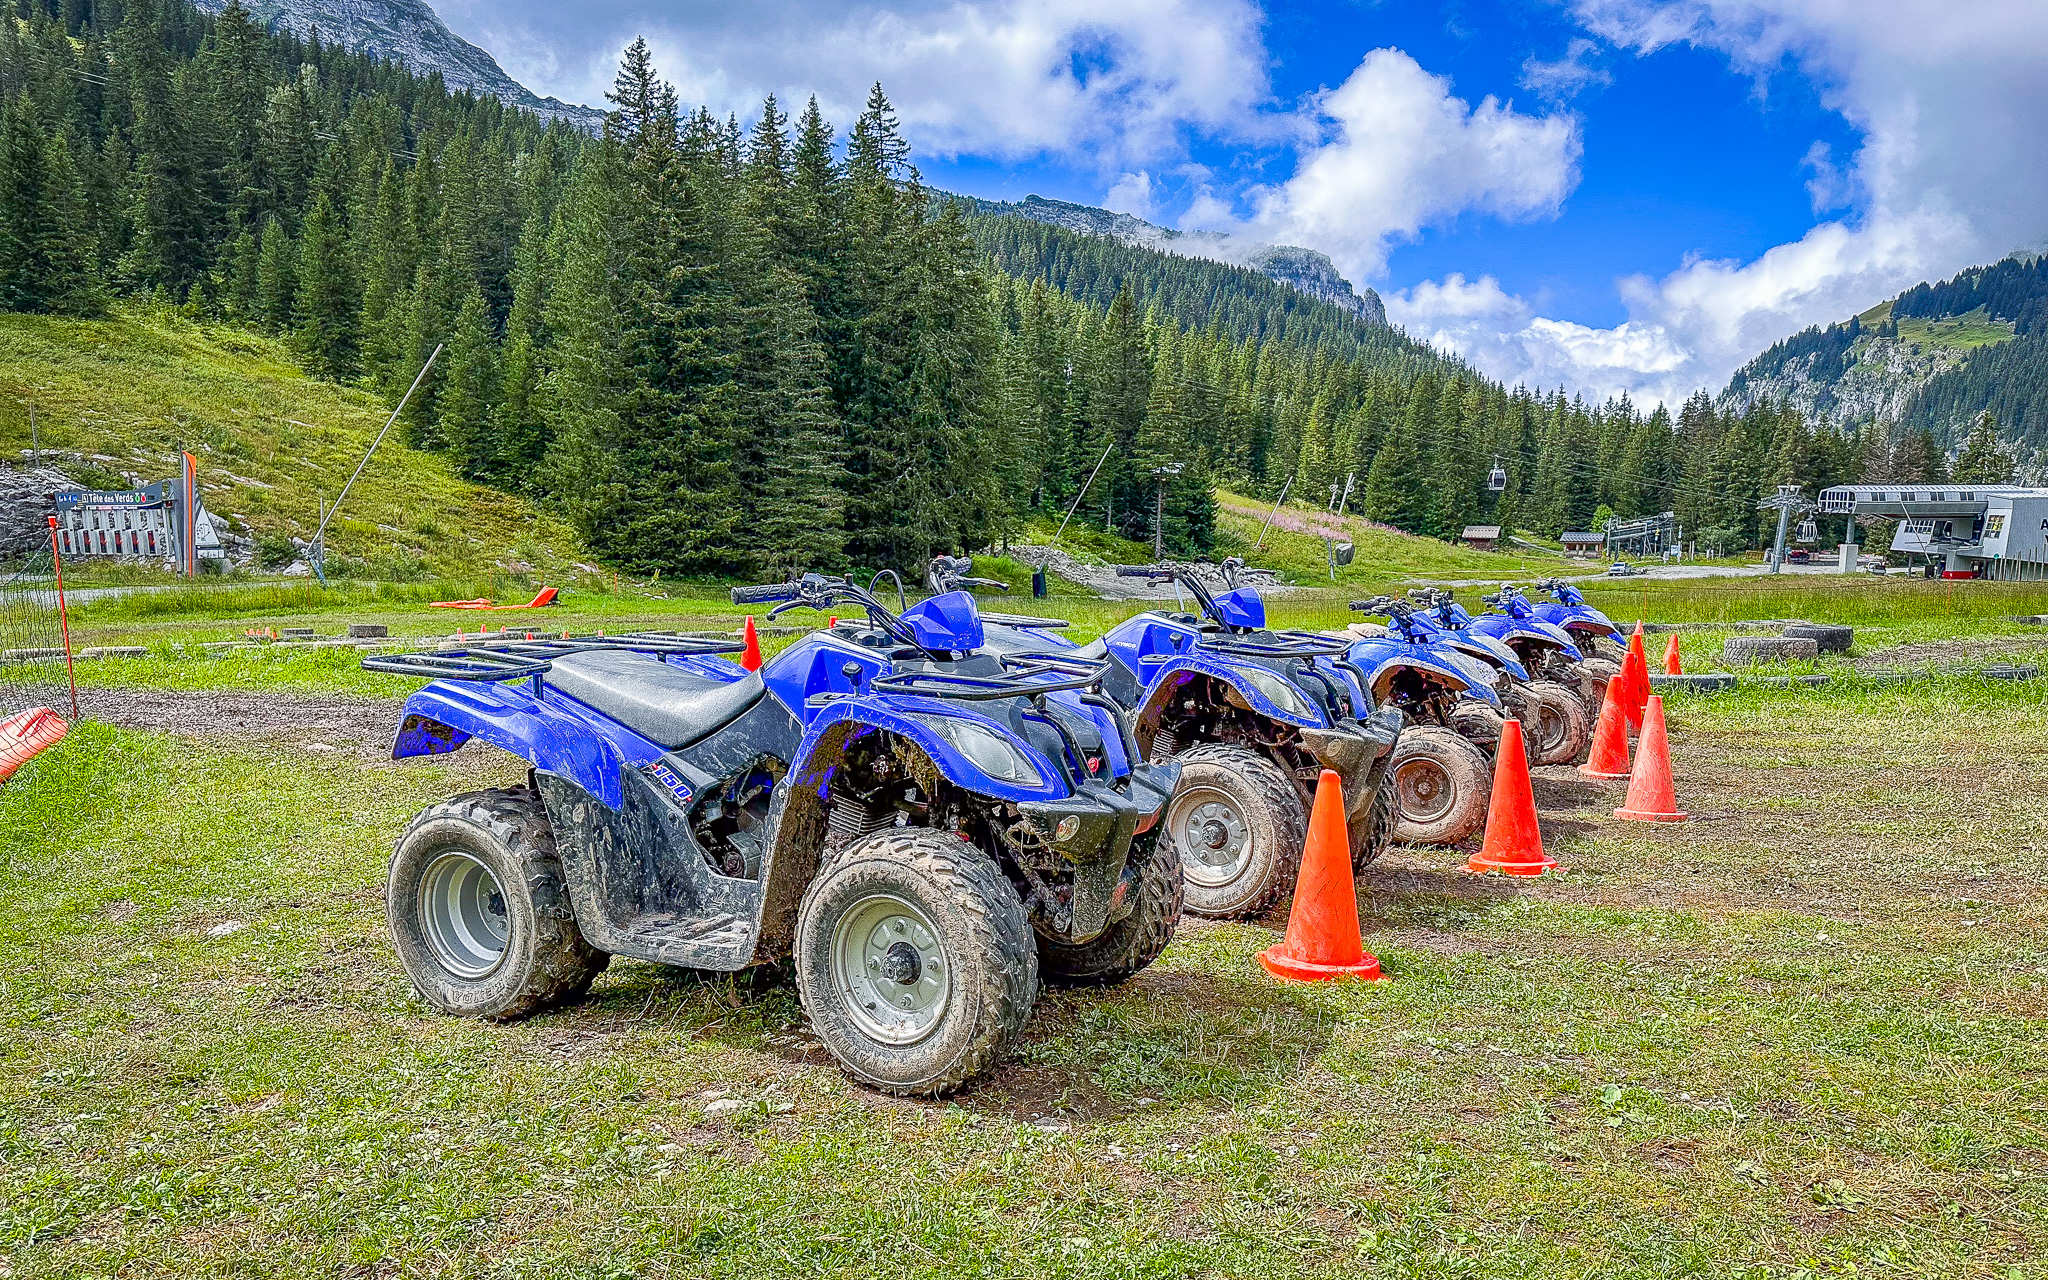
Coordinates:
<point>321,532</point>
<point>1274,512</point>
<point>63,616</point>
<point>1778,554</point>
<point>1159,522</point>
<point>35,444</point>
<point>1084,490</point>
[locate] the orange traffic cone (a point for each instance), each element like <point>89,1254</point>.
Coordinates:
<point>26,736</point>
<point>1323,939</point>
<point>751,659</point>
<point>1514,842</point>
<point>1635,681</point>
<point>1650,794</point>
<point>1671,663</point>
<point>1609,755</point>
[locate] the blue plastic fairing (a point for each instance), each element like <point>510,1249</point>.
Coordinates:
<point>948,622</point>
<point>1243,608</point>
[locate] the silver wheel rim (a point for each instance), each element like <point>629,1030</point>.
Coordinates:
<point>1551,727</point>
<point>1424,789</point>
<point>462,906</point>
<point>891,970</point>
<point>1214,838</point>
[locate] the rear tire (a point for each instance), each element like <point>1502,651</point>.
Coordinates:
<point>1440,787</point>
<point>1237,824</point>
<point>914,961</point>
<point>1561,729</point>
<point>480,912</point>
<point>1133,942</point>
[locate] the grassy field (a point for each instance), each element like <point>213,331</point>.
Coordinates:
<point>1801,1036</point>
<point>126,394</point>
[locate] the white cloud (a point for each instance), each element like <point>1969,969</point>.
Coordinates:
<point>1569,75</point>
<point>1133,194</point>
<point>1104,81</point>
<point>1392,151</point>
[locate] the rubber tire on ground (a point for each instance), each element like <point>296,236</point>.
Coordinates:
<point>985,936</point>
<point>1481,725</point>
<point>545,960</point>
<point>1134,941</point>
<point>1594,673</point>
<point>1562,731</point>
<point>1266,798</point>
<point>1370,838</point>
<point>1827,639</point>
<point>1751,649</point>
<point>1458,766</point>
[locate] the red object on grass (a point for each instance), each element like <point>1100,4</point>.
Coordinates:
<point>543,600</point>
<point>751,658</point>
<point>1651,797</point>
<point>26,736</point>
<point>1323,937</point>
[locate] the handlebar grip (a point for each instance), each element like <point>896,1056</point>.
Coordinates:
<point>1134,571</point>
<point>769,593</point>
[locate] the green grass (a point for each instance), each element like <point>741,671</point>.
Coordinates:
<point>131,391</point>
<point>1799,1037</point>
<point>1964,332</point>
<point>1385,557</point>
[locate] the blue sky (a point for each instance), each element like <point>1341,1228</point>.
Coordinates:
<point>1608,195</point>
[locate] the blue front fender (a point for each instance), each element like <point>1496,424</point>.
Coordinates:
<point>1379,657</point>
<point>1174,672</point>
<point>900,716</point>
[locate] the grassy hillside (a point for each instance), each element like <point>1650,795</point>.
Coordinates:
<point>124,395</point>
<point>1386,557</point>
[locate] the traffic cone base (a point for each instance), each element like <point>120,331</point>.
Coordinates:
<point>1651,797</point>
<point>1514,840</point>
<point>1608,756</point>
<point>1323,939</point>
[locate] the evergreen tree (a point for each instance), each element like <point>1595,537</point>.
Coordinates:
<point>328,307</point>
<point>45,252</point>
<point>276,278</point>
<point>1982,460</point>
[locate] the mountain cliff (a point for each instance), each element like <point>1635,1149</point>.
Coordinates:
<point>1937,356</point>
<point>409,31</point>
<point>1306,270</point>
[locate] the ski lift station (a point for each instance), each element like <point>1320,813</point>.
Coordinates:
<point>1981,531</point>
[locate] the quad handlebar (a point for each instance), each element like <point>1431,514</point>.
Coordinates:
<point>950,573</point>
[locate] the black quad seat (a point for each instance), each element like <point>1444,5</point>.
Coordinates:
<point>662,703</point>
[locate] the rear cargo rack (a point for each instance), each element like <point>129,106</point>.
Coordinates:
<point>516,659</point>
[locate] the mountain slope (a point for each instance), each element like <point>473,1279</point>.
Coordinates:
<point>117,399</point>
<point>409,31</point>
<point>1304,269</point>
<point>1935,357</point>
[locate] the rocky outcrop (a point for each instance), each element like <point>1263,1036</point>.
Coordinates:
<point>1305,270</point>
<point>409,32</point>
<point>1877,386</point>
<point>28,498</point>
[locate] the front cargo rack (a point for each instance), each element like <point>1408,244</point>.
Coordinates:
<point>516,659</point>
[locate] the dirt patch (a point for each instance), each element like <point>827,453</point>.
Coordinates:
<point>1939,653</point>
<point>313,723</point>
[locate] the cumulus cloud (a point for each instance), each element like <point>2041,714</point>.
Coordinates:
<point>1393,150</point>
<point>1133,194</point>
<point>1107,80</point>
<point>1952,171</point>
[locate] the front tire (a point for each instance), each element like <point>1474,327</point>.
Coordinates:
<point>1594,673</point>
<point>480,912</point>
<point>1135,941</point>
<point>914,961</point>
<point>1561,729</point>
<point>1238,825</point>
<point>1370,838</point>
<point>1440,787</point>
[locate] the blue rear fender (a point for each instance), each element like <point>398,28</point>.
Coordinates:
<point>554,735</point>
<point>1564,615</point>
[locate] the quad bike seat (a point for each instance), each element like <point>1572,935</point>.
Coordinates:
<point>661,703</point>
<point>1093,651</point>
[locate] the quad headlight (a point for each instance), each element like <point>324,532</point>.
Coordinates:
<point>986,749</point>
<point>1281,692</point>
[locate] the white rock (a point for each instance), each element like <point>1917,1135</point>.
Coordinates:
<point>224,928</point>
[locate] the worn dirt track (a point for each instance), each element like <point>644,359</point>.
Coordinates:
<point>362,726</point>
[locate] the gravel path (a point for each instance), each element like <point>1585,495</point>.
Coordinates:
<point>312,722</point>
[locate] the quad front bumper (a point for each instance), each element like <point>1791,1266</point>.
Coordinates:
<point>1360,751</point>
<point>1100,822</point>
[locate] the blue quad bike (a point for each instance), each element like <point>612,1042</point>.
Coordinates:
<point>1587,627</point>
<point>1252,715</point>
<point>1540,657</point>
<point>1452,702</point>
<point>924,827</point>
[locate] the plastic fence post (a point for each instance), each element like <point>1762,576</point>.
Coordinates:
<point>63,617</point>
